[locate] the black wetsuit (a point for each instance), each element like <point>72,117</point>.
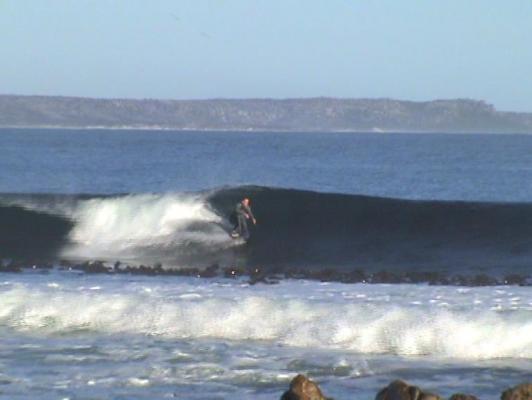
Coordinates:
<point>242,213</point>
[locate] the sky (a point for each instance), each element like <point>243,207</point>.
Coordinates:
<point>196,49</point>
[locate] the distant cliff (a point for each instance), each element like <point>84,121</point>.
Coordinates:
<point>315,114</point>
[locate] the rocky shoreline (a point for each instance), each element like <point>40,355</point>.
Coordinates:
<point>302,388</point>
<point>270,275</point>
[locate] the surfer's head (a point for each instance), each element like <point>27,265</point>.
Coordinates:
<point>245,201</point>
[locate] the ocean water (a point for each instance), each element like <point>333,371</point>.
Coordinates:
<point>399,203</point>
<point>442,167</point>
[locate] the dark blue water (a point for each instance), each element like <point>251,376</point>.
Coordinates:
<point>65,334</point>
<point>414,166</point>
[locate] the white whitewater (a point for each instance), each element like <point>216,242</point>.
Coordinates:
<point>479,323</point>
<point>130,226</point>
<point>122,227</point>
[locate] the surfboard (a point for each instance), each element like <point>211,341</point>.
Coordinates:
<point>238,238</point>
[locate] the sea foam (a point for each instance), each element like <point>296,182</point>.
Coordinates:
<point>451,327</point>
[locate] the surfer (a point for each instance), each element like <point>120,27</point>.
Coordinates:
<point>243,213</point>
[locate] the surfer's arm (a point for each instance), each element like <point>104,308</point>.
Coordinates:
<point>250,214</point>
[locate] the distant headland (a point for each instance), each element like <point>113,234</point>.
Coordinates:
<point>297,115</point>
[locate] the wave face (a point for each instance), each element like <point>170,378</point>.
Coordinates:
<point>318,229</point>
<point>296,229</point>
<point>28,234</point>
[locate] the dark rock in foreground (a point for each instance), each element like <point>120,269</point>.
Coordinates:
<point>400,390</point>
<point>461,396</point>
<point>266,276</point>
<point>302,388</point>
<point>520,392</point>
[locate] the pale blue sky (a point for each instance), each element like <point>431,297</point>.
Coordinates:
<point>416,50</point>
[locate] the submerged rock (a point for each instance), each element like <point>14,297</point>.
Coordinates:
<point>400,390</point>
<point>520,392</point>
<point>233,272</point>
<point>93,267</point>
<point>10,266</point>
<point>302,388</point>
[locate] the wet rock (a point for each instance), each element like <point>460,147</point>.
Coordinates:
<point>302,388</point>
<point>325,275</point>
<point>431,277</point>
<point>354,277</point>
<point>64,263</point>
<point>42,265</point>
<point>146,270</point>
<point>258,275</point>
<point>187,272</point>
<point>233,272</point>
<point>92,267</point>
<point>483,280</point>
<point>10,266</point>
<point>123,269</point>
<point>268,279</point>
<point>520,392</point>
<point>158,269</point>
<point>295,274</point>
<point>461,396</point>
<point>400,390</point>
<point>210,272</point>
<point>385,277</point>
<point>514,279</point>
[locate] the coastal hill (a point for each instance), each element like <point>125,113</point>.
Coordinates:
<point>312,114</point>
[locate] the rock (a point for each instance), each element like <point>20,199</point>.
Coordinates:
<point>92,267</point>
<point>233,272</point>
<point>514,279</point>
<point>354,276</point>
<point>10,266</point>
<point>210,272</point>
<point>324,275</point>
<point>302,388</point>
<point>461,396</point>
<point>400,390</point>
<point>520,392</point>
<point>483,280</point>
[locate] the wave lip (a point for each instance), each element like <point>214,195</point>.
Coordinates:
<point>131,226</point>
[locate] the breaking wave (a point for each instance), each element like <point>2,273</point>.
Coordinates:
<point>359,326</point>
<point>296,229</point>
